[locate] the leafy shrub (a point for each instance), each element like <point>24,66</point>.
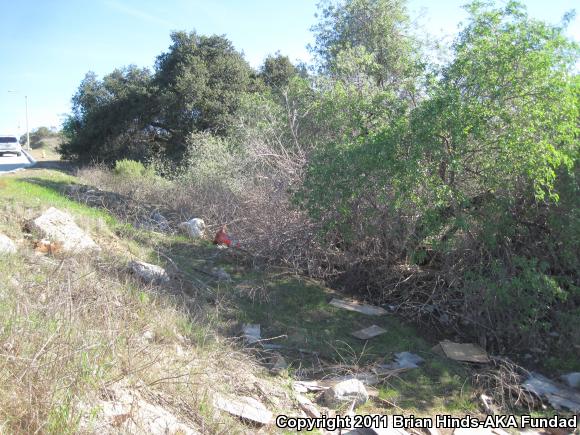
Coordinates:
<point>133,169</point>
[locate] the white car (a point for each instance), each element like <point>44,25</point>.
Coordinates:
<point>9,144</point>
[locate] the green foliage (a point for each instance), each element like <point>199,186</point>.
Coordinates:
<point>375,33</point>
<point>197,86</point>
<point>277,71</point>
<point>133,169</point>
<point>479,174</point>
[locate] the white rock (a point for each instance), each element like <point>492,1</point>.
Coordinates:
<point>149,273</point>
<point>194,228</point>
<point>346,391</point>
<point>58,226</point>
<point>572,379</point>
<point>7,246</point>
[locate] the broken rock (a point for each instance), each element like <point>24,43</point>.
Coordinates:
<point>149,273</point>
<point>58,226</point>
<point>194,228</point>
<point>7,246</point>
<point>346,391</point>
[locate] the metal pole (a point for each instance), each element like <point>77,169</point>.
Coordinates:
<point>27,132</point>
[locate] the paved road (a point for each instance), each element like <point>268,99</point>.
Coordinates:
<point>10,162</point>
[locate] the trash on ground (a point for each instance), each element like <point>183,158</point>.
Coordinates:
<point>404,360</point>
<point>308,386</point>
<point>251,333</point>
<point>346,391</point>
<point>572,379</point>
<point>464,352</point>
<point>368,333</point>
<point>222,239</point>
<point>369,310</point>
<point>365,378</point>
<point>559,396</point>
<point>244,407</point>
<point>194,228</point>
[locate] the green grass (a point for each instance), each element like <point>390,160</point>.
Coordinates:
<point>292,308</point>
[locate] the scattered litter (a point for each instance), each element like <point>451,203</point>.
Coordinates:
<point>369,310</point>
<point>558,396</point>
<point>404,360</point>
<point>464,352</point>
<point>365,378</point>
<point>307,406</point>
<point>346,391</point>
<point>194,228</point>
<point>368,333</point>
<point>572,379</point>
<point>244,407</point>
<point>251,333</point>
<point>222,239</point>
<point>307,386</point>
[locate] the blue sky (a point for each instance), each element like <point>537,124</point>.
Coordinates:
<point>46,47</point>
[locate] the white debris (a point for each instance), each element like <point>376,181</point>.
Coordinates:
<point>58,226</point>
<point>251,333</point>
<point>149,273</point>
<point>194,228</point>
<point>124,410</point>
<point>405,360</point>
<point>7,246</point>
<point>346,391</point>
<point>244,407</point>
<point>559,397</point>
<point>572,379</point>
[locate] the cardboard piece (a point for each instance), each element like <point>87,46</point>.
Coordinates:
<point>464,352</point>
<point>369,310</point>
<point>368,333</point>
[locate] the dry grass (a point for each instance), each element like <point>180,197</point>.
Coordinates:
<point>75,328</point>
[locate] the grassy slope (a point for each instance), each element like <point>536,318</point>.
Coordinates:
<point>198,322</point>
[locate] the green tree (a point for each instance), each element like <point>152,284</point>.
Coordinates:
<point>199,84</point>
<point>277,71</point>
<point>370,37</point>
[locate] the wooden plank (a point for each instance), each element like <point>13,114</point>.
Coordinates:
<point>369,310</point>
<point>368,333</point>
